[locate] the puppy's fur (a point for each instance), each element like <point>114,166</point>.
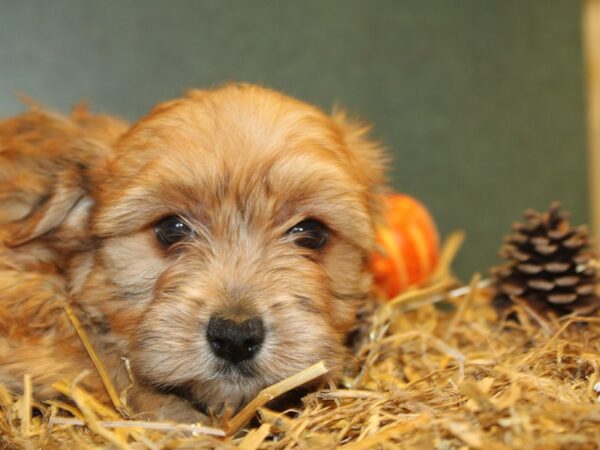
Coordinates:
<point>241,165</point>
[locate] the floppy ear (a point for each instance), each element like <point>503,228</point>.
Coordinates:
<point>47,169</point>
<point>370,159</point>
<point>68,193</point>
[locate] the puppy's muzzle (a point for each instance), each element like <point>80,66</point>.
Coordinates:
<point>235,342</point>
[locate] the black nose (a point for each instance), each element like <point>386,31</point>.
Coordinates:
<point>234,341</point>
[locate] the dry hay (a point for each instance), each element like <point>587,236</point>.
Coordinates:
<point>430,374</point>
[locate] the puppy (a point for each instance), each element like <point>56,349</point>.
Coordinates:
<point>218,245</point>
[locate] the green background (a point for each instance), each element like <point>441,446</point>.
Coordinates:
<point>480,102</point>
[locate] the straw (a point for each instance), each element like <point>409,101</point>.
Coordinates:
<point>266,395</point>
<point>108,385</point>
<point>26,406</point>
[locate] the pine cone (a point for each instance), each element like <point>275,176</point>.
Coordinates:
<point>548,265</point>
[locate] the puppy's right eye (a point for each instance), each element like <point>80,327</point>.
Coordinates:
<point>311,233</point>
<point>171,229</point>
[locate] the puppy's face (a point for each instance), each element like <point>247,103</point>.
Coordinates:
<point>234,227</point>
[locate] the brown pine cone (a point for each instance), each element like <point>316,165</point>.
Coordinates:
<point>547,265</point>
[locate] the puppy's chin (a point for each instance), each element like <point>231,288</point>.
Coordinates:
<point>212,397</point>
<point>228,392</point>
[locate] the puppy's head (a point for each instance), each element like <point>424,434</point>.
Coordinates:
<point>234,227</point>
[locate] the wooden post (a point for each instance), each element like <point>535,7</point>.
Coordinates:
<point>591,39</point>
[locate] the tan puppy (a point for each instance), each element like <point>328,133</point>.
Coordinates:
<point>219,245</point>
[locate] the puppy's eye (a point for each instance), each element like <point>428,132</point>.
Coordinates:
<point>171,229</point>
<point>311,234</point>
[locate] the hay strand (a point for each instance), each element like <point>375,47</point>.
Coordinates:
<point>26,406</point>
<point>450,249</point>
<point>106,381</point>
<point>266,395</point>
<point>146,425</point>
<point>255,437</point>
<point>463,306</point>
<point>393,430</point>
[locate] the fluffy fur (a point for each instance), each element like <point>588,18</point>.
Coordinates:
<point>80,198</point>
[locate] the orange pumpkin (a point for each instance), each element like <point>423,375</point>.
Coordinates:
<point>407,246</point>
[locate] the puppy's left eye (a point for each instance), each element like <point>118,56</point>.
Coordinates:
<point>171,229</point>
<point>311,234</point>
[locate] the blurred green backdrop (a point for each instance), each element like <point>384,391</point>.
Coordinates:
<point>480,102</point>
